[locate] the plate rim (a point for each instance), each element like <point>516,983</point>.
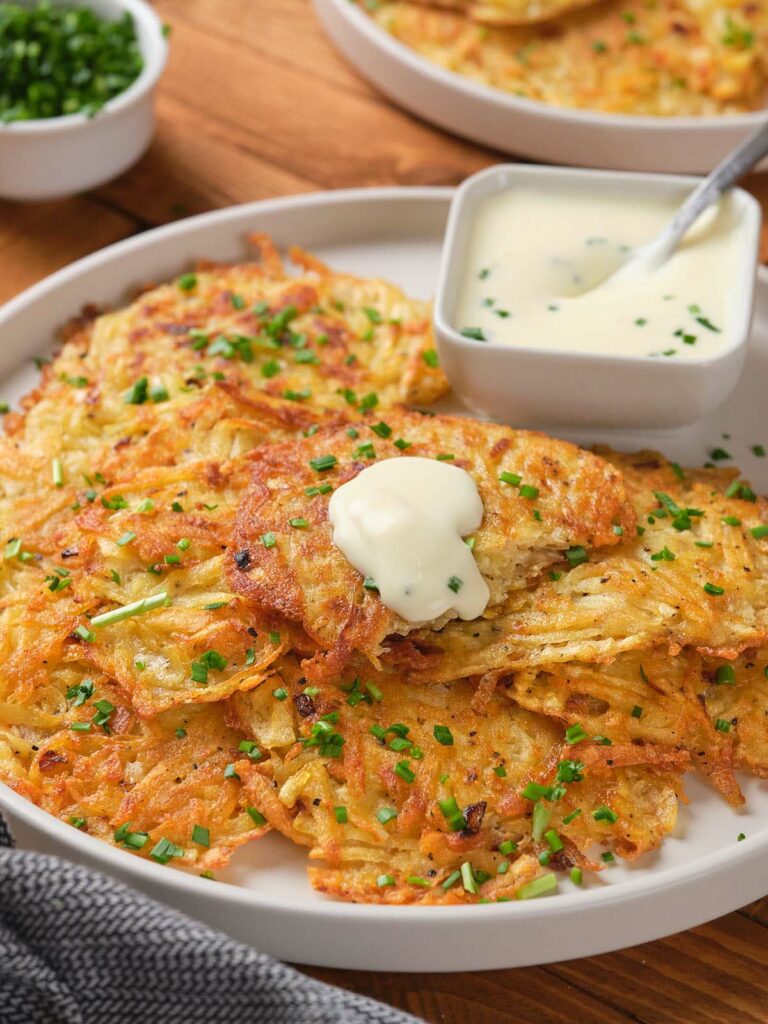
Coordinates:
<point>395,50</point>
<point>724,863</point>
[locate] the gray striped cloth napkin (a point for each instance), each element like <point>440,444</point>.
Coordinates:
<point>77,947</point>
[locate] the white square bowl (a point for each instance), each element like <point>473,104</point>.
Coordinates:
<point>529,386</point>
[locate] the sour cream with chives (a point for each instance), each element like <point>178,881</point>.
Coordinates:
<point>401,523</point>
<point>538,267</point>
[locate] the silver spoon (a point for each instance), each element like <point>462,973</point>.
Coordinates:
<point>650,256</point>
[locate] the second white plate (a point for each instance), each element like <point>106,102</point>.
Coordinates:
<point>527,128</point>
<point>699,873</point>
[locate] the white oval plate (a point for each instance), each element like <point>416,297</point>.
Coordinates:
<point>700,873</point>
<point>528,128</point>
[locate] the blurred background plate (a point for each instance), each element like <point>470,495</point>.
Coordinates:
<point>700,872</point>
<point>527,128</point>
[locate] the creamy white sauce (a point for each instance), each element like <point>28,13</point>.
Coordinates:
<point>536,258</point>
<point>400,523</point>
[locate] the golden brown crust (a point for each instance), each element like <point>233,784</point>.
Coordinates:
<point>669,58</point>
<point>580,502</point>
<point>249,699</point>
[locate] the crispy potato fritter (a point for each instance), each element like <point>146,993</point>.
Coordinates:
<point>189,662</point>
<point>669,59</point>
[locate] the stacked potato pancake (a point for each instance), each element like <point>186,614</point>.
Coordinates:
<point>189,662</point>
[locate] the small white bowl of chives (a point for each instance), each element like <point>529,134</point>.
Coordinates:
<point>62,153</point>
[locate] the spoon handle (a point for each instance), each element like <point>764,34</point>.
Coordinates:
<point>736,164</point>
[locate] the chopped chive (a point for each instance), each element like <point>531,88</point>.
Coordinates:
<point>80,727</point>
<point>85,634</point>
<point>311,492</point>
<point>535,791</point>
<point>230,771</point>
<point>57,473</point>
<point>541,816</point>
<point>386,814</point>
<point>418,880</point>
<point>201,835</point>
<point>575,733</point>
<point>146,604</point>
<point>730,520</point>
<point>405,772</point>
<point>256,817</point>
<point>381,429</point>
<point>507,847</point>
<point>665,555</point>
<point>187,282</point>
<point>637,711</point>
<point>510,478</point>
<point>758,532</point>
<point>431,358</point>
<point>576,556</point>
<point>374,691</point>
<point>475,333</point>
<point>468,878</point>
<point>384,880</point>
<point>714,590</point>
<point>268,539</point>
<point>443,735</point>
<point>299,524</point>
<point>725,676</point>
<point>572,816</point>
<point>603,813</point>
<point>323,462</point>
<point>340,813</point>
<point>527,491</point>
<point>722,725</point>
<point>576,876</point>
<point>451,880</point>
<point>554,841</point>
<point>137,395</point>
<point>455,584</point>
<point>452,814</point>
<point>164,850</point>
<point>538,887</point>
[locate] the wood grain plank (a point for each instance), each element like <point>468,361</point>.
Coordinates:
<point>37,239</point>
<point>715,974</point>
<point>524,996</point>
<point>306,125</point>
<point>195,165</point>
<point>757,912</point>
<point>287,31</point>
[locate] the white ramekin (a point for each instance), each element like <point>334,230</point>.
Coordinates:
<point>58,156</point>
<point>536,387</point>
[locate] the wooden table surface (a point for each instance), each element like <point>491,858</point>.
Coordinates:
<point>255,104</point>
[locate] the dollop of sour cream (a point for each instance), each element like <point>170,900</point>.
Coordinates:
<point>539,265</point>
<point>401,523</point>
